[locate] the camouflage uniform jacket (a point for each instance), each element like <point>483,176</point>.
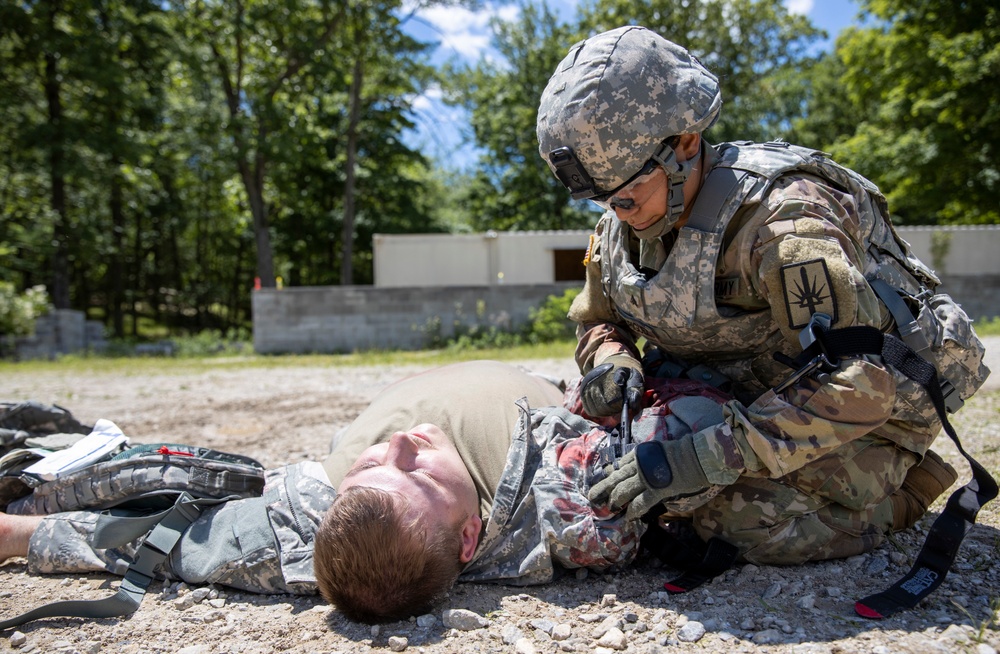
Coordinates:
<point>738,285</point>
<point>541,518</point>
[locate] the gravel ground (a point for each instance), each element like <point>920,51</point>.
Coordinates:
<point>287,413</point>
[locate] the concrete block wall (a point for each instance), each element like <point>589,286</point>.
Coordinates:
<point>337,319</point>
<point>60,331</point>
<point>334,319</point>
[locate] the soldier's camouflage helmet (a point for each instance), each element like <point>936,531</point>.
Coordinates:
<point>614,99</point>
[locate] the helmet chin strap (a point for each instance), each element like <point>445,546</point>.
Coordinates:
<point>677,173</point>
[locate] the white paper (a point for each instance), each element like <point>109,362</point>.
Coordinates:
<point>105,438</point>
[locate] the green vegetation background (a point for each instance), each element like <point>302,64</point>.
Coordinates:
<point>158,156</point>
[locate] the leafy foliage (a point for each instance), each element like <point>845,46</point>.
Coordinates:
<point>913,102</point>
<point>156,157</point>
<point>19,310</point>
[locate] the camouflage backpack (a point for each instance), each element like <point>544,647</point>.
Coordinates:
<point>156,491</point>
<point>931,323</point>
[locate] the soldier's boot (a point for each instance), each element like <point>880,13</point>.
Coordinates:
<point>924,483</point>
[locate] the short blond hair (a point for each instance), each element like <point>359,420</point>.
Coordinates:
<point>375,565</point>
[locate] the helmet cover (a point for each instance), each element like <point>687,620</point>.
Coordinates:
<point>617,96</point>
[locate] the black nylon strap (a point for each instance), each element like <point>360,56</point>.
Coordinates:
<point>719,557</point>
<point>948,531</point>
<point>140,574</point>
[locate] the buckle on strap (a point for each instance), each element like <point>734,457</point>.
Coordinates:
<point>906,324</point>
<point>952,400</point>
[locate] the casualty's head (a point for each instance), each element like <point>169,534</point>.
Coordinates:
<point>611,113</point>
<point>404,524</point>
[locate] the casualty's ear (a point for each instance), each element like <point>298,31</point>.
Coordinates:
<point>470,537</point>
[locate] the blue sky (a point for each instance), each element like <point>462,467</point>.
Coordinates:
<point>465,35</point>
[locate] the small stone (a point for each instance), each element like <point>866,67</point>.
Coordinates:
<point>772,591</point>
<point>398,643</point>
<point>561,631</point>
<point>184,602</point>
<point>692,632</point>
<point>984,648</point>
<point>199,595</point>
<point>876,566</point>
<point>426,620</point>
<point>609,623</point>
<point>767,637</point>
<point>631,617</point>
<point>217,603</point>
<point>806,601</point>
<point>510,634</point>
<point>375,630</point>
<point>463,620</point>
<point>897,557</point>
<point>524,646</point>
<point>17,639</point>
<point>833,591</point>
<point>589,618</point>
<point>955,633</point>
<point>613,639</point>
<point>543,625</point>
<point>581,574</point>
<point>747,624</point>
<point>609,600</point>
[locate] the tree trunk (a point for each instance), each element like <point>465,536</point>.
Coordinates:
<point>59,290</point>
<point>116,268</point>
<point>347,237</point>
<point>253,181</point>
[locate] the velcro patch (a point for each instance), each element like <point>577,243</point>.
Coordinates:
<point>808,289</point>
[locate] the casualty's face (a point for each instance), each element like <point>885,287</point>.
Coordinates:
<point>423,466</point>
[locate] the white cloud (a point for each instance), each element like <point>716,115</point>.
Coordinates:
<point>803,7</point>
<point>464,32</point>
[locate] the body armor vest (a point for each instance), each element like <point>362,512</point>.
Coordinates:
<point>677,308</point>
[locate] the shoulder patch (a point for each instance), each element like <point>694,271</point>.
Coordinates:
<point>590,249</point>
<point>807,289</point>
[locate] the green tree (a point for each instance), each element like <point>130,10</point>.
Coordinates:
<point>512,187</point>
<point>756,47</point>
<point>758,50</point>
<point>912,100</point>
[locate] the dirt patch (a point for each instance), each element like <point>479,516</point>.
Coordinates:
<point>289,413</point>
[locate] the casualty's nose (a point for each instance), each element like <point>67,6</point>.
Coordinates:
<point>402,450</point>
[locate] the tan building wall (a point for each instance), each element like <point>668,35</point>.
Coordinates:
<point>537,257</point>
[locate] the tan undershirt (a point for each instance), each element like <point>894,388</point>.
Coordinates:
<point>471,402</point>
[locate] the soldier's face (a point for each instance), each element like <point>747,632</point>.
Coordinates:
<point>423,466</point>
<point>648,197</point>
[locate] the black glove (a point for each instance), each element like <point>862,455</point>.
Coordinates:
<point>602,388</point>
<point>653,472</point>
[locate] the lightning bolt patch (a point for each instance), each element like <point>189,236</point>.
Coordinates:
<point>808,290</point>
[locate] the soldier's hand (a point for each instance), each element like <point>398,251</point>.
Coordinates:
<point>651,473</point>
<point>600,390</point>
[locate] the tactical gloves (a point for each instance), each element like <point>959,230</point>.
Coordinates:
<point>601,388</point>
<point>653,472</point>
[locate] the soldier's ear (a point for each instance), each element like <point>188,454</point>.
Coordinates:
<point>688,147</point>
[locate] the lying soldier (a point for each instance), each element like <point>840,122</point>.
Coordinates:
<point>452,473</point>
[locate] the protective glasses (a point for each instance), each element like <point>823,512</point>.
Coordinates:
<point>610,200</point>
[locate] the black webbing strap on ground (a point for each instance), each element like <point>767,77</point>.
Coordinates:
<point>140,574</point>
<point>719,556</point>
<point>948,531</point>
<point>699,561</point>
